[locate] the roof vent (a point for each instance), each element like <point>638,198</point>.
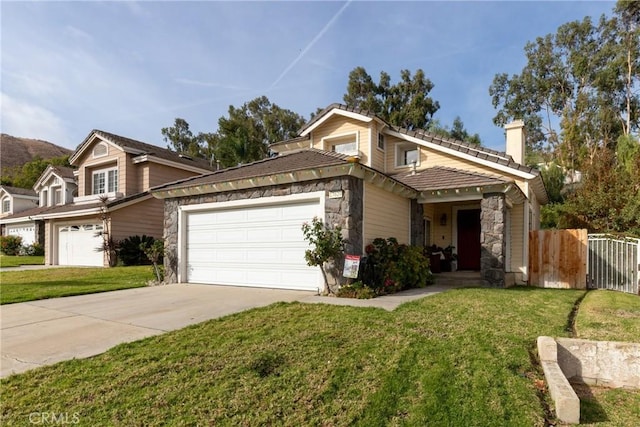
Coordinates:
<point>184,156</point>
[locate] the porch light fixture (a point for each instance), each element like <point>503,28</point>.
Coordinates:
<point>443,219</point>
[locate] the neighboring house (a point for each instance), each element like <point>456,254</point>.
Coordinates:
<point>242,225</point>
<point>105,198</point>
<point>14,200</point>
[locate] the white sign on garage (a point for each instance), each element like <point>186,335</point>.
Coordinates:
<point>258,242</point>
<point>79,244</point>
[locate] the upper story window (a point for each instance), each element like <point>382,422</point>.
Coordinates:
<point>381,141</point>
<point>6,206</point>
<point>45,198</point>
<point>57,196</point>
<point>100,150</point>
<point>105,181</point>
<point>407,155</point>
<point>347,148</point>
<point>345,143</point>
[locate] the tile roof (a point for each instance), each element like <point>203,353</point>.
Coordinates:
<point>71,207</point>
<point>288,162</point>
<point>480,152</point>
<point>144,148</point>
<point>17,191</point>
<point>442,178</point>
<point>63,171</point>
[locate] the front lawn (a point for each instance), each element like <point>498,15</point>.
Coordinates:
<point>465,357</point>
<point>16,261</point>
<point>609,316</point>
<point>20,286</point>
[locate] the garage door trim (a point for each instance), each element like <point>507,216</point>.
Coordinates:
<point>183,211</point>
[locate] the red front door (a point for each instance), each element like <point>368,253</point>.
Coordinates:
<point>468,239</point>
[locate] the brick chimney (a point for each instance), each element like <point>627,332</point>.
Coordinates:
<point>515,140</point>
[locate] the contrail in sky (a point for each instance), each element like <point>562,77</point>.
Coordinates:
<point>310,45</point>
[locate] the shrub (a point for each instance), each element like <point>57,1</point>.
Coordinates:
<point>356,290</point>
<point>10,245</point>
<point>390,267</point>
<point>131,252</point>
<point>35,249</point>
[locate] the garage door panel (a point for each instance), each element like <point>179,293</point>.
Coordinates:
<point>251,246</point>
<point>80,245</point>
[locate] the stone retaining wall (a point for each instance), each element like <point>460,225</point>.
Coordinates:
<point>602,363</point>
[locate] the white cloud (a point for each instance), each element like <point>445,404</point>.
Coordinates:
<point>19,118</point>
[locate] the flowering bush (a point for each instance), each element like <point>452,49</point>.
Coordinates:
<point>10,245</point>
<point>392,267</point>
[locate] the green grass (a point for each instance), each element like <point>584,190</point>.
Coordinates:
<point>609,316</point>
<point>463,358</point>
<point>20,286</point>
<point>16,261</point>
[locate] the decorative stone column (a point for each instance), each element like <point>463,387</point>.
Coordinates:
<point>417,223</point>
<point>493,239</point>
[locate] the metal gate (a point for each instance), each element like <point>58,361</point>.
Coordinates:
<point>613,263</point>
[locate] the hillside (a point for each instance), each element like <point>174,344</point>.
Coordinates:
<point>18,151</point>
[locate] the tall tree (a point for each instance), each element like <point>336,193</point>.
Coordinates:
<point>457,131</point>
<point>180,139</point>
<point>244,136</point>
<point>406,103</point>
<point>573,94</point>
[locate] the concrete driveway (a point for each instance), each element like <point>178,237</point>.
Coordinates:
<point>44,332</point>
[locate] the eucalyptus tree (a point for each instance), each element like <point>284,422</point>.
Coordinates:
<point>406,103</point>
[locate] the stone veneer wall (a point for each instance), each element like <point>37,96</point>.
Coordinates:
<point>345,211</point>
<point>492,238</point>
<point>40,232</point>
<point>417,223</point>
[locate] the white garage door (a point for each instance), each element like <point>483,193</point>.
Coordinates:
<point>27,232</point>
<point>252,246</point>
<point>79,244</point>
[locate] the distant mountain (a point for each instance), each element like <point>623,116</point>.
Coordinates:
<point>18,151</point>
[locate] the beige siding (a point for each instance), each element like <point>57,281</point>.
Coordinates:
<point>534,220</point>
<point>47,243</point>
<point>129,183</point>
<point>385,215</point>
<point>430,158</point>
<point>87,165</point>
<point>161,174</point>
<point>377,155</point>
<point>339,125</point>
<point>443,234</point>
<point>291,146</point>
<point>517,238</point>
<point>142,218</point>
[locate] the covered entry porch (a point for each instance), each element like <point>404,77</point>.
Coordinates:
<point>475,222</point>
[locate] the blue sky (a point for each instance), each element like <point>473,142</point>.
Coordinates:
<point>132,67</point>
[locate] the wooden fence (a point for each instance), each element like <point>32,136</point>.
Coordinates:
<point>558,258</point>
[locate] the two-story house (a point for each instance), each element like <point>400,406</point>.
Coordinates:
<point>14,200</point>
<point>242,225</point>
<point>105,198</point>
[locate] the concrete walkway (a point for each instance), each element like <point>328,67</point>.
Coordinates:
<point>44,332</point>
